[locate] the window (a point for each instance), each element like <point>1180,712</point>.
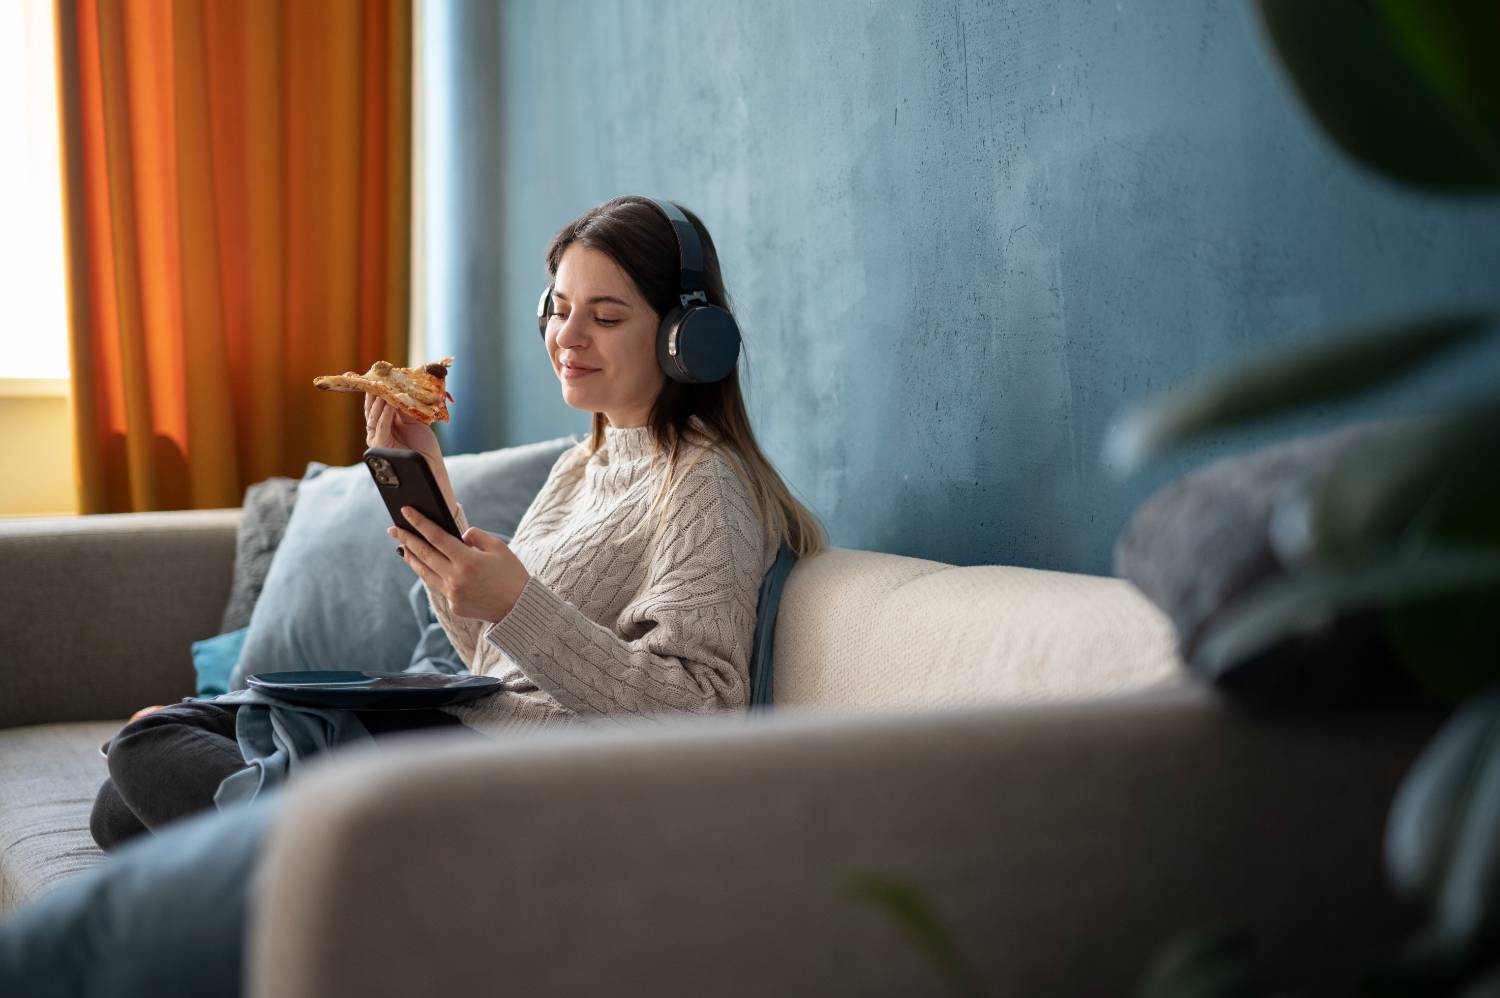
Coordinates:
<point>34,324</point>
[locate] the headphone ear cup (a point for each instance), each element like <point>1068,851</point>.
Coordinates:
<point>699,344</point>
<point>544,310</point>
<point>669,364</point>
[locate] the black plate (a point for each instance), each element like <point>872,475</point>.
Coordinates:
<point>356,690</point>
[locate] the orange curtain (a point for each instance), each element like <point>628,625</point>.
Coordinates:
<point>237,189</point>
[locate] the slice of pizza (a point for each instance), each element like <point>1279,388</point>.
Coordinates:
<point>417,391</point>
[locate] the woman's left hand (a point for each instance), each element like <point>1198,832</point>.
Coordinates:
<point>480,575</point>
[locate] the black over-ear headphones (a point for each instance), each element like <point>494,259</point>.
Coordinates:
<point>697,342</point>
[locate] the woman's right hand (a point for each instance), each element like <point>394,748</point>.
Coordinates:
<point>387,426</point>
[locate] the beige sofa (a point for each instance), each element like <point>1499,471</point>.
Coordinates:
<point>1019,746</point>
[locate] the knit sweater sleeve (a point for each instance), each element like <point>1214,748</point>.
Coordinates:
<point>683,643</point>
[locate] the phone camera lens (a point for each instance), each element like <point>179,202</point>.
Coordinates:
<point>384,473</point>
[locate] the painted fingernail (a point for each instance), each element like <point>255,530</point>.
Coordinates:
<point>401,553</point>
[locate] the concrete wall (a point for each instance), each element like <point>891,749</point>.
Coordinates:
<point>959,236</point>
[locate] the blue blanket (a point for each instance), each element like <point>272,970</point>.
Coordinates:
<point>275,736</point>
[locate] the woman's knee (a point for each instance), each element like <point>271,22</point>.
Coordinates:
<point>188,729</point>
<point>112,822</point>
<point>169,763</point>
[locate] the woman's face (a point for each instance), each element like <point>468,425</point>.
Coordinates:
<point>602,338</point>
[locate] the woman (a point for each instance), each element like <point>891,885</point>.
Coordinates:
<point>629,586</point>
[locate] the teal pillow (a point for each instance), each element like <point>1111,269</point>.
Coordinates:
<point>335,595</point>
<point>214,659</point>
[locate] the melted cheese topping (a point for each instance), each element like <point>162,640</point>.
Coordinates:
<point>413,388</point>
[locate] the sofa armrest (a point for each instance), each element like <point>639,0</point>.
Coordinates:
<point>1062,845</point>
<point>100,611</point>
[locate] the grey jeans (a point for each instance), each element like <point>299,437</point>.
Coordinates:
<point>168,765</point>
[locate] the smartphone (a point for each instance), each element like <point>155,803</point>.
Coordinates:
<point>404,479</point>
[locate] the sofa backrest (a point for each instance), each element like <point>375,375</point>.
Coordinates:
<point>860,629</point>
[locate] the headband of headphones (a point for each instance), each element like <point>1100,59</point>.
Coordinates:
<point>689,249</point>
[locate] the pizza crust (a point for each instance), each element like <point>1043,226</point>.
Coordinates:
<point>417,391</point>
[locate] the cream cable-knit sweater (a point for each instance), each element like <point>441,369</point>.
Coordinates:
<point>612,626</point>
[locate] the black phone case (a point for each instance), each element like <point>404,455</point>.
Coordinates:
<point>414,486</point>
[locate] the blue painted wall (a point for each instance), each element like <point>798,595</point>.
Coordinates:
<point>959,236</point>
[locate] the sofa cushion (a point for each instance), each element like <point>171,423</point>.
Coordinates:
<point>49,774</point>
<point>335,594</point>
<point>860,629</point>
<point>1060,847</point>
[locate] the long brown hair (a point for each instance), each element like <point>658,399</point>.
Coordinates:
<point>636,236</point>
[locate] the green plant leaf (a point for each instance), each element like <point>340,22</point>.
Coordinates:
<point>1431,480</point>
<point>1468,908</point>
<point>917,919</point>
<point>1448,641</point>
<point>1407,87</point>
<point>1285,380</point>
<point>1211,963</point>
<point>1305,603</point>
<point>1466,510</point>
<point>1426,814</point>
<point>1451,643</point>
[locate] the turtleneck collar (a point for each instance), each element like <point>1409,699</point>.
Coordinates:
<point>624,459</point>
<point>628,445</point>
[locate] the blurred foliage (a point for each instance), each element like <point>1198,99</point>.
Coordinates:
<point>1214,963</point>
<point>1442,850</point>
<point>1406,525</point>
<point>1434,589</point>
<point>1410,88</point>
<point>1433,482</point>
<point>916,918</point>
<point>1284,381</point>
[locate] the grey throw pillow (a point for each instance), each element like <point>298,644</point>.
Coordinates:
<point>335,595</point>
<point>267,507</point>
<point>1203,545</point>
